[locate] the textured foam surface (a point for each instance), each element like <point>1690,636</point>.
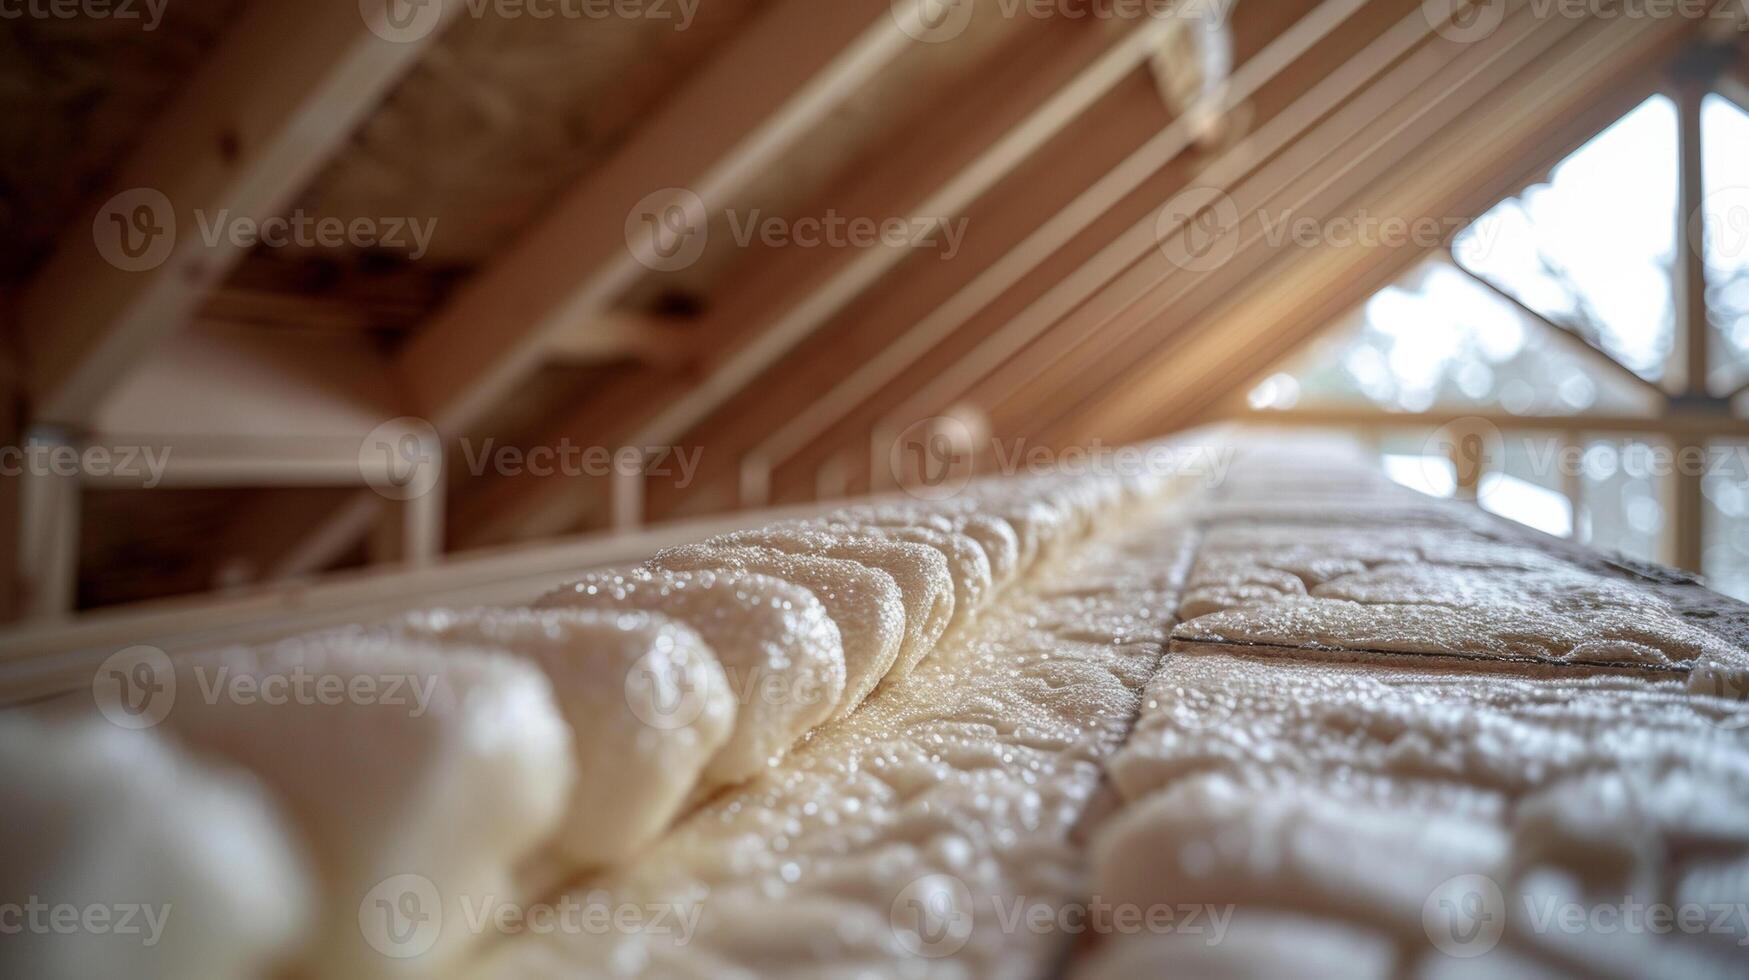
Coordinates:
<point>198,862</point>
<point>646,700</point>
<point>397,760</point>
<point>864,602</point>
<point>920,572</point>
<point>963,784</point>
<point>780,651</point>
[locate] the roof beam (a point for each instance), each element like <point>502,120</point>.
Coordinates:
<point>1698,424</point>
<point>1117,262</point>
<point>1585,348</point>
<point>1342,157</point>
<point>1252,326</point>
<point>803,289</point>
<point>773,83</point>
<point>1026,257</point>
<point>285,88</point>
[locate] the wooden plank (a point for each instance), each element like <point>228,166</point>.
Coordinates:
<point>1693,329</point>
<point>1041,114</point>
<point>802,289</point>
<point>41,659</point>
<point>1515,119</point>
<point>778,78</point>
<point>1036,248</point>
<point>48,547</point>
<point>1339,294</point>
<point>1117,263</point>
<point>1687,423</point>
<point>283,91</point>
<point>773,83</point>
<point>1346,153</point>
<point>1581,346</point>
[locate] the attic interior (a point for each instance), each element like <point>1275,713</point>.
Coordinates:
<point>1281,465</point>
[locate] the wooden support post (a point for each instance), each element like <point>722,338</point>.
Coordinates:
<point>48,525</point>
<point>1691,315</point>
<point>1573,478</point>
<point>627,498</point>
<point>1469,459</point>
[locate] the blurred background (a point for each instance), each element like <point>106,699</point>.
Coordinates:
<point>303,287</point>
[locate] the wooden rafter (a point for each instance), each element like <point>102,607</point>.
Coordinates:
<point>1684,423</point>
<point>1074,305</point>
<point>801,291</point>
<point>283,91</point>
<point>899,356</point>
<point>1346,154</point>
<point>732,119</point>
<point>1253,327</point>
<point>1590,351</point>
